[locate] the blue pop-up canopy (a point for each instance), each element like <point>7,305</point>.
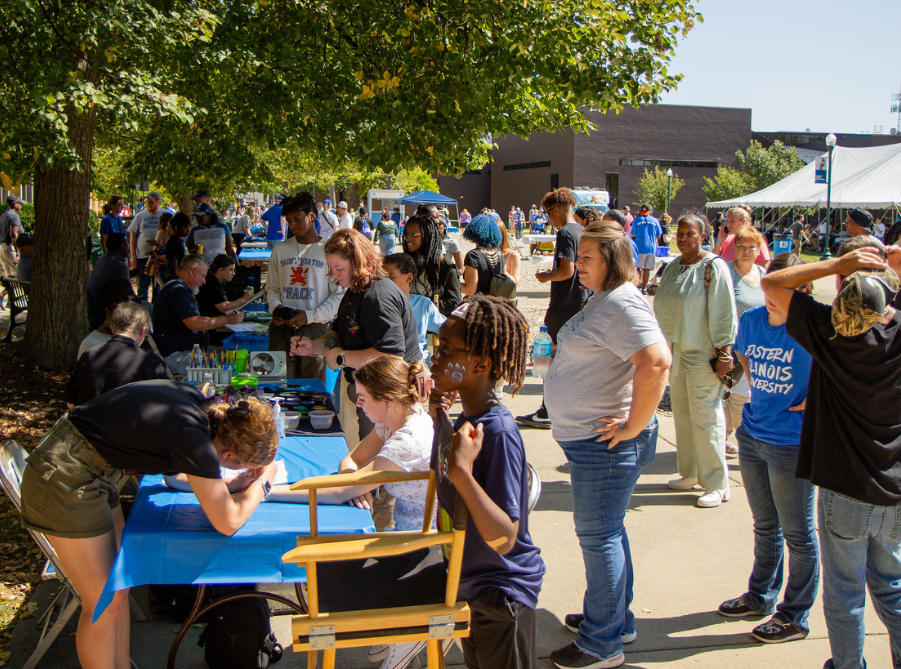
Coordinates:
<point>428,197</point>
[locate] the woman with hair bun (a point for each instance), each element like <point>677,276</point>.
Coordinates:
<point>69,487</point>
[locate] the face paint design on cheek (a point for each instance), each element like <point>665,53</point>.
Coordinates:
<point>456,377</point>
<point>447,369</point>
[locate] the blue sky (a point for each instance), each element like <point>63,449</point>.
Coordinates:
<point>827,65</point>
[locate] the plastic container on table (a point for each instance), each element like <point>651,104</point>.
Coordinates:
<point>321,420</point>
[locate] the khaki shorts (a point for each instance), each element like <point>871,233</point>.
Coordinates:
<point>68,489</point>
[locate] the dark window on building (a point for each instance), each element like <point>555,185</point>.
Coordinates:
<point>527,166</point>
<point>613,186</point>
<point>638,162</point>
<point>473,172</point>
<point>555,181</point>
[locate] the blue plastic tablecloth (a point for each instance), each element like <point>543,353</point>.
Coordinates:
<point>168,540</point>
<point>255,254</point>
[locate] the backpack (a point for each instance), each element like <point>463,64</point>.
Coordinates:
<point>239,636</point>
<point>501,283</point>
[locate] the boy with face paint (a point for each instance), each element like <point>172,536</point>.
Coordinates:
<point>485,339</point>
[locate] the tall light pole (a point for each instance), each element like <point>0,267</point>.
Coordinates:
<point>830,146</point>
<point>669,183</point>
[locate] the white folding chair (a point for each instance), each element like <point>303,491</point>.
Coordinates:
<point>67,601</point>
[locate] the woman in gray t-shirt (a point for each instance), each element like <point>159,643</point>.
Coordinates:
<point>601,393</point>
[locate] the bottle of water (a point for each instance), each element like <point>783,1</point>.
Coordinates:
<point>279,419</point>
<point>541,353</point>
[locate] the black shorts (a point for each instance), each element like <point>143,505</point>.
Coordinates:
<point>502,633</point>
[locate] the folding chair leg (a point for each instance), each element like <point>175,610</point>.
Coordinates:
<point>312,659</point>
<point>52,633</point>
<point>436,657</point>
<point>328,658</point>
<point>136,611</point>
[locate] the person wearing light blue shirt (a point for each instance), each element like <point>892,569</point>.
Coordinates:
<point>778,369</point>
<point>401,269</point>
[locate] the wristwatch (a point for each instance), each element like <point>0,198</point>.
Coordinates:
<point>267,488</point>
<point>340,358</point>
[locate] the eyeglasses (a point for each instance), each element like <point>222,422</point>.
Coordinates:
<point>441,352</point>
<point>406,236</point>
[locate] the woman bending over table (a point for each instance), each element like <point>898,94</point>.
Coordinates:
<point>69,487</point>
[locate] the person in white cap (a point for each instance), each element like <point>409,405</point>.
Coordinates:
<point>345,220</point>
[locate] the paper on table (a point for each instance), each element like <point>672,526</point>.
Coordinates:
<point>243,327</point>
<point>281,476</point>
<point>257,295</point>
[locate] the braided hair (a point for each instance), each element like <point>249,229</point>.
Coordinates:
<point>428,257</point>
<point>497,330</point>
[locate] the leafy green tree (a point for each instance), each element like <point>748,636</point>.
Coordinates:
<point>652,189</point>
<point>201,83</point>
<point>757,168</point>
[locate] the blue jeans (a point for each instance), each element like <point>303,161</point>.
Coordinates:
<point>861,547</point>
<point>782,507</point>
<point>602,483</point>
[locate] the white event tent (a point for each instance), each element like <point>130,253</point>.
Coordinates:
<point>869,178</point>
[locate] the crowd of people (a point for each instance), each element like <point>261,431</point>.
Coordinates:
<point>805,391</point>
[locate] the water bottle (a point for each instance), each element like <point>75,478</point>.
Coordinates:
<point>541,353</point>
<point>277,415</point>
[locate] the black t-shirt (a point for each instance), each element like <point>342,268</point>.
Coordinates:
<point>379,317</point>
<point>568,294</point>
<point>851,431</point>
<point>175,248</point>
<point>152,427</point>
<point>211,293</point>
<point>448,288</point>
<point>487,266</point>
<point>111,365</point>
<point>173,303</point>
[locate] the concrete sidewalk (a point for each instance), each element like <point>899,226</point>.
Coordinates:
<point>687,560</point>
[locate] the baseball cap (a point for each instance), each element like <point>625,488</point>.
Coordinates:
<point>153,195</point>
<point>202,208</point>
<point>279,198</point>
<point>862,218</point>
<point>14,199</point>
<point>862,300</point>
<point>328,202</point>
<point>200,194</point>
<point>342,205</point>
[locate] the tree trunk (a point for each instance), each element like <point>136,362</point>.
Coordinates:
<point>185,203</point>
<point>57,309</point>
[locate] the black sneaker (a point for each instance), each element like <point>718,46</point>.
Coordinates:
<point>738,608</point>
<point>571,657</point>
<point>776,630</point>
<point>573,620</point>
<point>534,420</point>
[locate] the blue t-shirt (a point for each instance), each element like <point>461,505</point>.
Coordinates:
<point>646,230</point>
<point>273,218</point>
<point>112,225</point>
<point>428,319</point>
<point>780,369</point>
<point>635,253</point>
<point>500,469</point>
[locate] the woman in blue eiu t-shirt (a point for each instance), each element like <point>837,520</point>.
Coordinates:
<point>782,505</point>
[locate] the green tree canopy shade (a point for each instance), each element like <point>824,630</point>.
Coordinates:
<point>652,189</point>
<point>757,168</point>
<point>389,86</point>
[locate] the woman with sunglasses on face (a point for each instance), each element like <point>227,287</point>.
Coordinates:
<point>374,318</point>
<point>436,277</point>
<point>70,484</point>
<point>746,276</point>
<point>781,504</point>
<point>695,306</point>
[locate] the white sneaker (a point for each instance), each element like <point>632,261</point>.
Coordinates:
<point>683,483</point>
<point>401,654</point>
<point>713,498</point>
<point>378,653</point>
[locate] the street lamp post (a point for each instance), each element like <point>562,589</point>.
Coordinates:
<point>669,183</point>
<point>830,146</point>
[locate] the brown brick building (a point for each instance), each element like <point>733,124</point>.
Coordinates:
<point>692,141</point>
